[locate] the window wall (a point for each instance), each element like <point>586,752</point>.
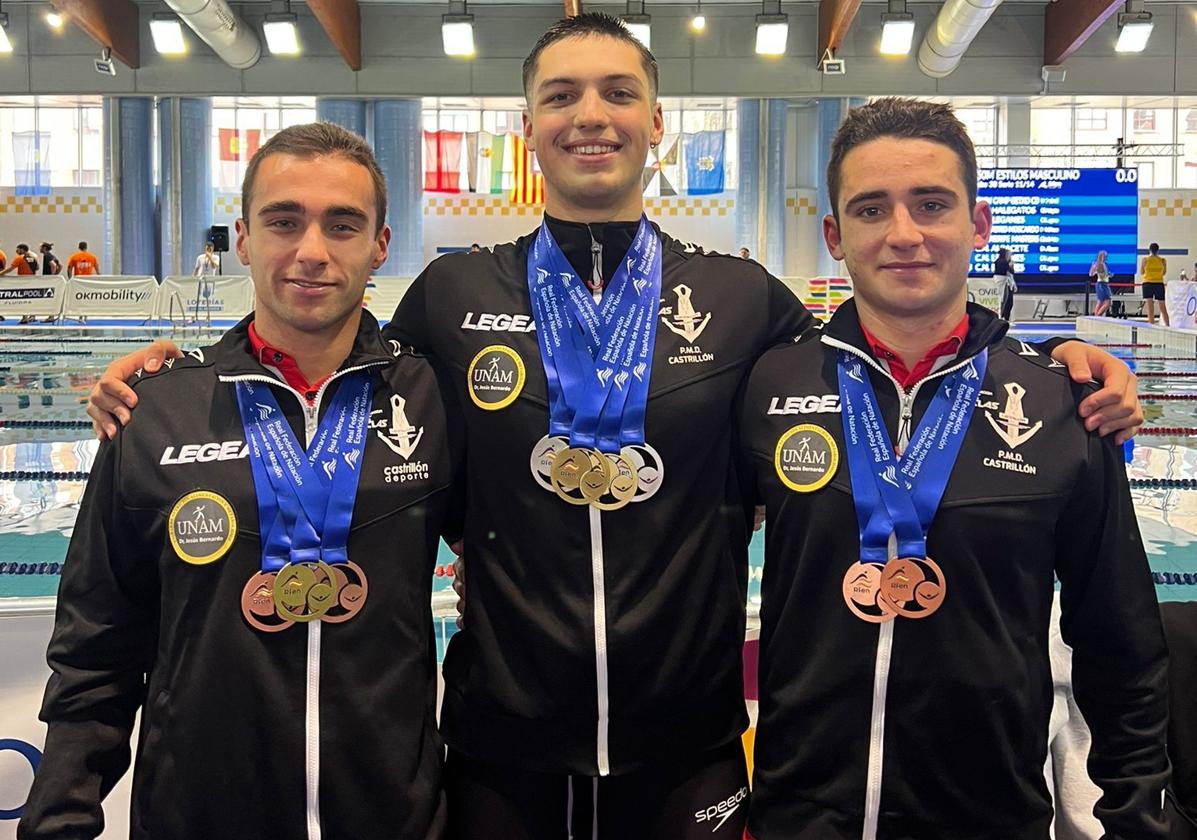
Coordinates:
<point>51,141</point>
<point>667,175</point>
<point>241,124</point>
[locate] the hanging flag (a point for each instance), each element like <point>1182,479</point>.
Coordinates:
<point>488,163</point>
<point>236,149</point>
<point>502,164</point>
<point>31,162</point>
<point>442,161</point>
<point>472,141</point>
<point>529,183</point>
<point>704,163</point>
<point>661,170</point>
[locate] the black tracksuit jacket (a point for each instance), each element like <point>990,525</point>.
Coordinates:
<point>963,720</point>
<point>245,734</point>
<point>553,673</point>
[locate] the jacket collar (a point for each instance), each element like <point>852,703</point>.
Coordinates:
<point>233,355</point>
<point>984,329</point>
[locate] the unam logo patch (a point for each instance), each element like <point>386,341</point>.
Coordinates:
<point>202,527</point>
<point>806,458</point>
<point>495,377</point>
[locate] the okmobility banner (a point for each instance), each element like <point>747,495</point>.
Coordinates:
<point>24,632</point>
<point>111,296</point>
<point>1182,303</point>
<point>34,294</point>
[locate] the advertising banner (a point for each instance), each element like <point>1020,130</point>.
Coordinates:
<point>108,296</point>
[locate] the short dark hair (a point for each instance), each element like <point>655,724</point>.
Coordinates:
<point>908,119</point>
<point>582,26</point>
<point>82,246</point>
<point>319,139</point>
<point>1153,247</point>
<point>22,247</point>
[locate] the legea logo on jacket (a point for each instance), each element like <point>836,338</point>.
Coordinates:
<point>402,437</point>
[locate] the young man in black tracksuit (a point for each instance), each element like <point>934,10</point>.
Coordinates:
<point>583,691</point>
<point>905,686</point>
<point>263,716</point>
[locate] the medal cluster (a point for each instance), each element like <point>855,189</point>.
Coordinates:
<point>909,587</point>
<point>604,480</point>
<point>303,592</point>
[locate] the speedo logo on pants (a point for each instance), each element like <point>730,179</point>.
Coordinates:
<point>721,811</point>
<point>202,453</point>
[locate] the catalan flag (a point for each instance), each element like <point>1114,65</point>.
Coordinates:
<point>529,183</point>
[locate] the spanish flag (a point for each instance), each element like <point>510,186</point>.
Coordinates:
<point>529,183</point>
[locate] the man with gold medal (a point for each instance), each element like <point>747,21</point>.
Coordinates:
<point>906,685</point>
<point>597,683</point>
<point>242,569</point>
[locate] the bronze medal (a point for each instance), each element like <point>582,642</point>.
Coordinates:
<point>913,587</point>
<point>862,587</point>
<point>257,604</point>
<point>351,593</point>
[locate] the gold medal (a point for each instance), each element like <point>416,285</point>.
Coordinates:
<point>861,588</point>
<point>623,484</point>
<point>913,587</point>
<point>568,467</point>
<point>596,481</point>
<point>304,592</point>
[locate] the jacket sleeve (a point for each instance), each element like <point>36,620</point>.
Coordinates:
<point>409,324</point>
<point>101,650</point>
<point>1119,664</point>
<point>788,317</point>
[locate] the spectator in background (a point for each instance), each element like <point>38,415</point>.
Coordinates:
<point>1099,273</point>
<point>206,264</point>
<point>745,254</point>
<point>1003,269</point>
<point>475,248</point>
<point>3,259</point>
<point>1154,268</point>
<point>50,263</point>
<point>83,263</point>
<point>24,264</point>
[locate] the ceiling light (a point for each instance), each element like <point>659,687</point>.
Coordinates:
<point>54,19</point>
<point>282,34</point>
<point>1134,28</point>
<point>698,23</point>
<point>5,44</point>
<point>167,32</point>
<point>457,34</point>
<point>897,33</point>
<point>772,31</point>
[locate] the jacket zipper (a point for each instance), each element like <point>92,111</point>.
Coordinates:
<point>311,417</point>
<point>885,633</point>
<point>600,640</point>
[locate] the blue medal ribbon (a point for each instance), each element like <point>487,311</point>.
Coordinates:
<point>305,500</point>
<point>597,357</point>
<point>901,495</point>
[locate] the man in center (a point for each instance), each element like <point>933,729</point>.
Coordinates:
<point>596,687</point>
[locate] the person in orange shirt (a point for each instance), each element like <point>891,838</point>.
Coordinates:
<point>3,259</point>
<point>24,262</point>
<point>83,262</point>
